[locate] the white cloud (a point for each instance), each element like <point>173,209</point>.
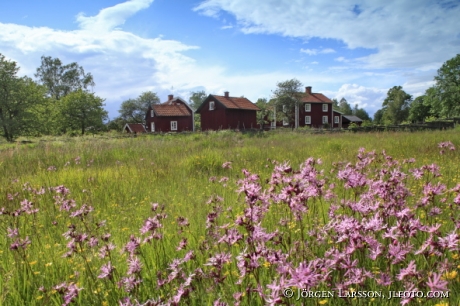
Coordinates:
<point>227,27</point>
<point>369,98</point>
<point>403,33</point>
<point>316,51</point>
<point>109,18</point>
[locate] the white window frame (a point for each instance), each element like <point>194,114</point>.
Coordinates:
<point>336,119</point>
<point>151,113</point>
<point>152,127</point>
<point>173,125</point>
<point>307,119</point>
<point>211,105</point>
<point>285,122</point>
<point>273,124</point>
<point>324,119</point>
<point>308,107</point>
<point>325,107</point>
<point>284,108</point>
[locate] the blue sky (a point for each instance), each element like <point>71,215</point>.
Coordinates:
<point>352,49</point>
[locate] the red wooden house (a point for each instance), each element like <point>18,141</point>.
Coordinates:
<point>315,110</point>
<point>225,112</point>
<point>173,115</point>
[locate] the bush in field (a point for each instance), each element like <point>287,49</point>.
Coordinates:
<point>376,225</point>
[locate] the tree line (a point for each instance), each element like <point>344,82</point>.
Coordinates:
<point>58,101</point>
<point>442,100</point>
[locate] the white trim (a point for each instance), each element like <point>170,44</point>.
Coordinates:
<point>212,105</point>
<point>151,113</point>
<point>324,119</point>
<point>308,109</point>
<point>307,119</point>
<point>152,127</point>
<point>173,125</point>
<point>336,119</point>
<point>325,107</point>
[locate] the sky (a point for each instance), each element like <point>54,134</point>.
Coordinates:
<point>350,49</point>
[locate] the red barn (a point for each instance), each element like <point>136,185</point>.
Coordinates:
<point>173,115</point>
<point>225,112</point>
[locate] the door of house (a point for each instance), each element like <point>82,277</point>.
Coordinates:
<point>152,127</point>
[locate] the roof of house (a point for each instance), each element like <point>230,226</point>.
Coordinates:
<point>352,118</point>
<point>232,103</point>
<point>171,109</point>
<point>135,127</point>
<point>315,98</point>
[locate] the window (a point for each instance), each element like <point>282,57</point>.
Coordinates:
<point>284,108</point>
<point>151,113</point>
<point>307,119</point>
<point>336,119</point>
<point>285,122</point>
<point>324,119</point>
<point>173,125</point>
<point>273,124</point>
<point>152,127</point>
<point>324,107</point>
<point>211,105</point>
<point>308,107</point>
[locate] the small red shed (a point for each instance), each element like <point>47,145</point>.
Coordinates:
<point>174,115</point>
<point>226,112</point>
<point>134,128</point>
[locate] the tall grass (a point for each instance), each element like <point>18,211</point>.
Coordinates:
<point>121,178</point>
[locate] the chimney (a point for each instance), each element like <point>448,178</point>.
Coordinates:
<point>170,97</point>
<point>308,90</point>
<point>226,94</point>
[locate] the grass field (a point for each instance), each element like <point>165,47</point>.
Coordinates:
<point>79,221</point>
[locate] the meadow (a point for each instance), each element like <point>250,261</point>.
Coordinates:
<point>227,218</point>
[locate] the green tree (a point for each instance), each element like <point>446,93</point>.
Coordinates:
<point>345,107</point>
<point>419,109</point>
<point>196,98</point>
<point>396,105</point>
<point>335,105</point>
<point>361,113</point>
<point>448,88</point>
<point>378,117</point>
<point>19,101</point>
<point>288,96</point>
<point>265,113</point>
<point>81,110</point>
<point>134,110</point>
<point>60,80</point>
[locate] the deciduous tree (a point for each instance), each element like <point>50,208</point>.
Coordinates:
<point>19,101</point>
<point>288,96</point>
<point>345,107</point>
<point>81,110</point>
<point>396,105</point>
<point>60,80</point>
<point>265,113</point>
<point>448,88</point>
<point>134,110</point>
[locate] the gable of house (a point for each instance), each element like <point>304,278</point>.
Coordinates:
<point>134,128</point>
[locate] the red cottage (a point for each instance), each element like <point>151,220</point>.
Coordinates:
<point>225,112</point>
<point>173,115</point>
<point>315,110</point>
<point>134,128</point>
